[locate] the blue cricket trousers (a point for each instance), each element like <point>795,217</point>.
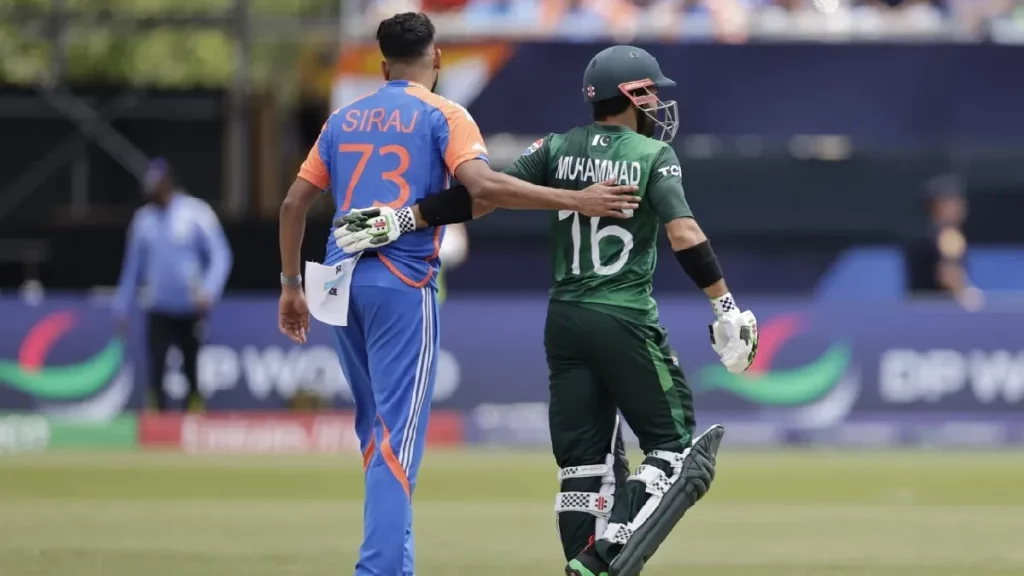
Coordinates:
<point>387,353</point>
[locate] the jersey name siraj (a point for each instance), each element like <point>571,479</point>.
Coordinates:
<point>591,170</point>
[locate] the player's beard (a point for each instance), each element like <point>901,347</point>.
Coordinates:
<point>644,122</point>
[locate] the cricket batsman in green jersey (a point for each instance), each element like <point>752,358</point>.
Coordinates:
<point>606,350</point>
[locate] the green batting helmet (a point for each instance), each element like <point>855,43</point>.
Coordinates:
<point>615,69</point>
<point>632,72</point>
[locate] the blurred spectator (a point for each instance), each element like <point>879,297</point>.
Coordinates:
<point>541,14</point>
<point>728,20</point>
<point>731,19</point>
<point>975,14</point>
<point>382,9</point>
<point>922,11</point>
<point>902,5</point>
<point>787,5</point>
<point>621,17</point>
<point>442,5</point>
<point>177,249</point>
<point>936,262</point>
<point>725,20</point>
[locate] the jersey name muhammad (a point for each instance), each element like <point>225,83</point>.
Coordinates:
<point>592,170</point>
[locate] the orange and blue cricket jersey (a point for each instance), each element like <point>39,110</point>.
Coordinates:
<point>393,148</point>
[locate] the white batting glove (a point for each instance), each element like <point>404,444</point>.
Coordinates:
<point>371,228</point>
<point>733,334</point>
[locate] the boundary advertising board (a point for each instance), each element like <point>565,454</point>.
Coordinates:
<point>874,373</point>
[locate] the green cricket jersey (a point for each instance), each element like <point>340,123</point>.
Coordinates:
<point>608,263</point>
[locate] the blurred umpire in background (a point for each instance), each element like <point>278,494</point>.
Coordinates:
<point>176,248</point>
<point>935,262</point>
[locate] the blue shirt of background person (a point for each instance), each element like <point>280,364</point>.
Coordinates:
<point>176,247</point>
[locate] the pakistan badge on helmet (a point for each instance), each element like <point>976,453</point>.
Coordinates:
<point>633,72</point>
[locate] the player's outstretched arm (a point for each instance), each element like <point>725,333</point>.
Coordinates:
<point>482,190</point>
<point>605,199</point>
<point>371,228</point>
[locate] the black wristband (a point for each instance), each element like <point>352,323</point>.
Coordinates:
<point>450,206</point>
<point>700,264</point>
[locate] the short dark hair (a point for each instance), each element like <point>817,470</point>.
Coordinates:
<point>405,36</point>
<point>604,109</point>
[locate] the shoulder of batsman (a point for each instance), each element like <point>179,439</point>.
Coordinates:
<point>651,145</point>
<point>539,143</point>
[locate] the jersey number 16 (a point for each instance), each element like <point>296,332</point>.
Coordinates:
<point>595,244</point>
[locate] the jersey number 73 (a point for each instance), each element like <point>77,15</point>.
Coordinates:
<point>395,176</point>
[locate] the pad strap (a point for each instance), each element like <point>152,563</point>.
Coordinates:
<point>599,505</point>
<point>591,471</point>
<point>656,480</point>
<point>618,533</point>
<point>657,485</point>
<point>675,459</point>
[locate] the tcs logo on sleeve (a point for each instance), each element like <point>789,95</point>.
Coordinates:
<point>673,170</point>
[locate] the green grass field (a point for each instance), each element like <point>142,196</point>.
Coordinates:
<point>480,513</point>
